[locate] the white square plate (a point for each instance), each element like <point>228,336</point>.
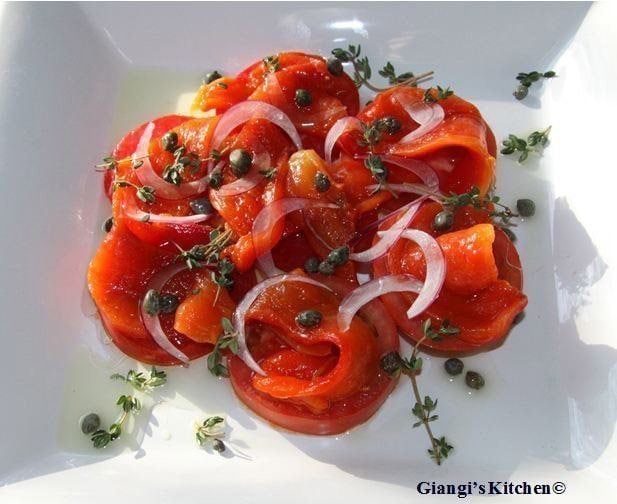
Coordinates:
<point>73,77</point>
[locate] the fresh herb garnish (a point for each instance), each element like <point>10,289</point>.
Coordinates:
<point>527,79</point>
<point>375,165</point>
<point>172,173</point>
<point>211,430</point>
<point>222,277</point>
<point>271,63</point>
<point>363,73</point>
<point>144,193</point>
<point>269,173</point>
<point>198,255</point>
<point>228,339</point>
<point>423,410</point>
<point>101,437</point>
<point>432,95</point>
<point>142,382</point>
<point>535,141</point>
<point>109,163</point>
<point>222,85</point>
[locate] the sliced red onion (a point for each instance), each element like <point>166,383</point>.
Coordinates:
<point>250,180</point>
<point>152,322</point>
<point>435,269</point>
<point>377,287</point>
<point>390,238</point>
<point>422,170</point>
<point>339,128</point>
<point>271,214</point>
<point>244,306</point>
<point>408,188</point>
<point>247,110</point>
<point>428,116</point>
<point>132,211</point>
<point>147,176</point>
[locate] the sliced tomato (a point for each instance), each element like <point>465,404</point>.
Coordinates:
<point>309,393</point>
<point>460,149</point>
<point>485,309</point>
<point>118,278</point>
<point>195,134</point>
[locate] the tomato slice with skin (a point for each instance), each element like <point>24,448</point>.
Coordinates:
<point>460,149</point>
<point>321,414</point>
<point>484,316</point>
<point>118,277</point>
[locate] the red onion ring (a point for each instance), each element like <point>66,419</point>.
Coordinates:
<point>435,269</point>
<point>152,322</point>
<point>428,116</point>
<point>377,287</point>
<point>339,128</point>
<point>247,110</point>
<point>132,211</point>
<point>422,170</point>
<point>244,306</point>
<point>271,214</point>
<point>147,176</point>
<point>249,181</point>
<point>408,188</point>
<point>390,237</point>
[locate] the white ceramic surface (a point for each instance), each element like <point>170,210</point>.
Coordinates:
<point>73,77</point>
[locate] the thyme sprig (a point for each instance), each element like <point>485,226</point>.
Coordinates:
<point>535,142</point>
<point>183,159</point>
<point>423,409</point>
<point>433,95</point>
<point>363,72</point>
<point>142,382</point>
<point>211,430</point>
<point>272,64</point>
<point>109,163</point>
<point>228,339</point>
<point>144,193</point>
<point>209,253</point>
<point>102,437</point>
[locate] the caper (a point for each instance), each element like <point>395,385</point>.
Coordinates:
<point>201,206</point>
<point>391,125</point>
<point>240,161</point>
<point>218,445</point>
<point>391,363</point>
<point>443,220</point>
<point>108,224</point>
<point>211,77</point>
<point>90,423</point>
<point>520,92</point>
<point>322,182</point>
<point>474,380</point>
<point>311,265</point>
<point>509,233</point>
<point>309,318</point>
<point>453,366</point>
<point>152,302</point>
<point>215,180</point>
<point>303,98</point>
<point>335,67</point>
<point>526,207</point>
<point>168,303</point>
<point>338,256</point>
<point>169,141</point>
<point>326,268</point>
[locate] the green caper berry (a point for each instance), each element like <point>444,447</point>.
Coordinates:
<point>201,206</point>
<point>526,207</point>
<point>152,302</point>
<point>309,318</point>
<point>509,233</point>
<point>303,98</point>
<point>443,220</point>
<point>311,265</point>
<point>90,423</point>
<point>474,380</point>
<point>218,445</point>
<point>169,141</point>
<point>108,224</point>
<point>391,125</point>
<point>216,179</point>
<point>391,363</point>
<point>453,366</point>
<point>335,66</point>
<point>168,303</point>
<point>240,161</point>
<point>211,77</point>
<point>322,182</point>
<point>549,74</point>
<point>338,256</point>
<point>520,92</point>
<point>326,268</point>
